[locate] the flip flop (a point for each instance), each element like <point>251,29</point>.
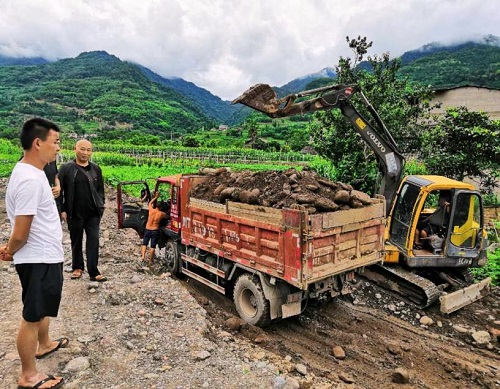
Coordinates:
<point>62,343</point>
<point>77,273</point>
<point>99,278</point>
<point>37,385</point>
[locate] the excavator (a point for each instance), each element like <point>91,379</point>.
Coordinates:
<point>419,274</point>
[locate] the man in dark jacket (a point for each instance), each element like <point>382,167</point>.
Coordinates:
<point>82,189</point>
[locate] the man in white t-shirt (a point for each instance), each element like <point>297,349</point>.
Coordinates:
<point>35,246</point>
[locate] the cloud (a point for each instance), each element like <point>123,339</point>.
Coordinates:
<point>226,46</point>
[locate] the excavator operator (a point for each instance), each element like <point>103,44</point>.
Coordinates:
<point>434,223</point>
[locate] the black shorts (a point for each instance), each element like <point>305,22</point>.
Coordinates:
<point>41,289</point>
<point>152,235</point>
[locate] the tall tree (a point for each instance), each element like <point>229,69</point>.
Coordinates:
<point>400,104</point>
<point>464,144</point>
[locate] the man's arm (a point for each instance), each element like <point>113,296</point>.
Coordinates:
<point>61,176</point>
<point>18,238</point>
<point>56,189</point>
<point>100,184</point>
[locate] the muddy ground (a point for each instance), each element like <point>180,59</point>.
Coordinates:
<point>145,329</point>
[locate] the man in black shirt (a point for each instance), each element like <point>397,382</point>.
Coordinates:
<point>51,172</point>
<point>82,208</point>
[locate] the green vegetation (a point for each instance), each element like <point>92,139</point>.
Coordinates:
<point>492,268</point>
<point>471,64</point>
<point>95,93</point>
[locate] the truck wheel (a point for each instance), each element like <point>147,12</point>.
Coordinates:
<point>250,302</point>
<point>171,257</point>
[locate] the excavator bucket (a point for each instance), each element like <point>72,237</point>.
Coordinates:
<point>454,301</point>
<point>260,97</point>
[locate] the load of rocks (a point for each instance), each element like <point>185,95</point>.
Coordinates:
<point>291,188</point>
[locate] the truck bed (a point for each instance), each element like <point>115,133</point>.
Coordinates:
<point>288,244</point>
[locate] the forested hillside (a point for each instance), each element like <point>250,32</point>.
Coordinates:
<point>95,93</point>
<point>212,106</point>
<point>467,64</point>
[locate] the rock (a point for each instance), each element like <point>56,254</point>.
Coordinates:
<point>202,355</point>
<point>338,352</point>
<point>361,197</point>
<point>347,378</point>
<point>405,347</point>
<point>135,279</point>
<point>393,349</point>
<point>426,321</point>
<point>401,376</point>
<point>292,383</point>
<point>234,323</point>
<point>495,333</point>
<point>342,197</point>
<point>279,382</point>
<point>301,369</point>
<point>481,337</point>
<point>325,204</point>
<point>77,364</point>
<point>259,355</point>
<point>460,329</point>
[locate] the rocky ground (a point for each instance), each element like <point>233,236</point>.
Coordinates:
<point>145,329</point>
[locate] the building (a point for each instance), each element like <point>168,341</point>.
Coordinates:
<point>475,98</point>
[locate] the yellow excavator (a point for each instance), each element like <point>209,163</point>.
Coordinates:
<point>419,274</point>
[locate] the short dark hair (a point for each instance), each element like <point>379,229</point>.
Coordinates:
<point>445,194</point>
<point>35,128</point>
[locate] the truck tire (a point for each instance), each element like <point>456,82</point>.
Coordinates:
<point>171,257</point>
<point>250,301</point>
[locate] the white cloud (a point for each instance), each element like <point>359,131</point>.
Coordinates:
<point>226,46</point>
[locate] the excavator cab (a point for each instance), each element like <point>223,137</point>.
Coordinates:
<point>463,237</point>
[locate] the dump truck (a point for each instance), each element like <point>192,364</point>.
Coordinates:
<point>420,274</point>
<point>272,261</point>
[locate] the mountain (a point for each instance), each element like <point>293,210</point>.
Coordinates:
<point>299,84</point>
<point>469,63</point>
<point>96,92</point>
<point>212,106</point>
<point>442,66</point>
<point>436,47</point>
<point>10,61</point>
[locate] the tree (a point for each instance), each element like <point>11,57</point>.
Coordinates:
<point>190,141</point>
<point>464,144</point>
<point>400,104</point>
<point>252,129</point>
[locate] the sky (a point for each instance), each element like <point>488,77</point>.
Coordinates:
<point>226,46</point>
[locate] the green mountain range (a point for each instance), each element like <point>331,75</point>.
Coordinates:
<point>97,93</point>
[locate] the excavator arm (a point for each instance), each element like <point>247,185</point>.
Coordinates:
<point>262,97</point>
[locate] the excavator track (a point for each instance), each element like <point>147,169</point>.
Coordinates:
<point>407,286</point>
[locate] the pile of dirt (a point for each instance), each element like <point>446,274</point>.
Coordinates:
<point>280,189</point>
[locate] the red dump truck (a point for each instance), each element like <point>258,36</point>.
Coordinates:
<point>270,260</point>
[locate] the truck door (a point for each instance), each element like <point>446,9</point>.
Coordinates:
<point>133,209</point>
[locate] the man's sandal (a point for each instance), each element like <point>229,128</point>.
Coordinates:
<point>77,274</point>
<point>99,278</point>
